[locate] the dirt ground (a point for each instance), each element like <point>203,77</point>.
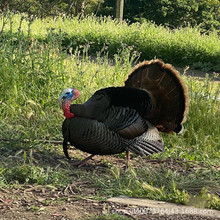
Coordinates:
<point>197,73</point>
<point>31,204</point>
<point>73,202</point>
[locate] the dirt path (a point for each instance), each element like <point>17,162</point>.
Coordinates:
<point>198,74</point>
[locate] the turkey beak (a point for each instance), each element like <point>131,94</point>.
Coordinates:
<point>61,98</point>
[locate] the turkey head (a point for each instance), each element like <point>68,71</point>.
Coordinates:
<point>65,99</point>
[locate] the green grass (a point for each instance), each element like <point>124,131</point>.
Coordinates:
<point>200,140</point>
<point>182,187</point>
<point>34,72</point>
<point>184,46</point>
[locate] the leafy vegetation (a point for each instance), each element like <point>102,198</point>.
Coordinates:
<point>172,13</point>
<point>52,7</point>
<point>35,69</point>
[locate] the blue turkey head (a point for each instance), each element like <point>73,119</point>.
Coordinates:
<point>68,95</point>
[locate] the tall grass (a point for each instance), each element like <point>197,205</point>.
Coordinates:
<point>184,46</point>
<point>200,139</point>
<point>33,74</point>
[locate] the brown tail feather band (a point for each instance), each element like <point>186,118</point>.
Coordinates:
<point>168,90</point>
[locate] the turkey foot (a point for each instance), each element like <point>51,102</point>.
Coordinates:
<point>82,162</point>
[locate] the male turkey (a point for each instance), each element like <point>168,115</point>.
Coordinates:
<point>118,119</point>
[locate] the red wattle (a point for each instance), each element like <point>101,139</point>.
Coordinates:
<point>66,111</point>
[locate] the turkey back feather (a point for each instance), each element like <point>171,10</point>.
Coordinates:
<point>148,143</point>
<point>96,138</point>
<point>168,91</point>
<point>93,137</point>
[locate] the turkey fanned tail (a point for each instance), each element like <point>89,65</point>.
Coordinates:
<point>168,90</point>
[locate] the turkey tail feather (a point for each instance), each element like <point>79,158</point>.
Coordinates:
<point>148,143</point>
<point>146,148</point>
<point>168,92</point>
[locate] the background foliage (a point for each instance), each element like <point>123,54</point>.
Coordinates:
<point>183,46</point>
<point>43,8</point>
<point>172,13</point>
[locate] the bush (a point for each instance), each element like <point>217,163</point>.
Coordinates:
<point>172,13</point>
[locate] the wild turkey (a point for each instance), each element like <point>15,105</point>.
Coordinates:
<point>118,119</point>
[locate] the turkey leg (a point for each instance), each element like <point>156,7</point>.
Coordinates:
<point>82,162</point>
<point>127,158</point>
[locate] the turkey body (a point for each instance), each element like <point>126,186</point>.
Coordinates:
<point>117,119</point>
<point>105,125</point>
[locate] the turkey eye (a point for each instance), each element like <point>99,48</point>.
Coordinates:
<point>67,93</point>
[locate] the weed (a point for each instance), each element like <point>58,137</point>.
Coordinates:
<point>34,208</point>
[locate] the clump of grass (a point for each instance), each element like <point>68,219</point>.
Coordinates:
<point>26,171</point>
<point>161,184</point>
<point>29,174</point>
